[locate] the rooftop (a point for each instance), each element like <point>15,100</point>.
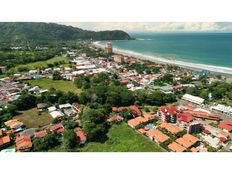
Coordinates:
<point>170,128</point>
<point>159,136</point>
<point>175,147</point>
<point>136,121</point>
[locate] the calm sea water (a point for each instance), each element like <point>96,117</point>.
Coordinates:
<point>202,48</point>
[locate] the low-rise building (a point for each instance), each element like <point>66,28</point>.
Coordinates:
<point>170,128</point>
<point>40,134</point>
<point>23,143</point>
<point>137,122</point>
<point>4,141</point>
<point>157,136</point>
<point>226,126</point>
<point>57,127</point>
<point>193,99</point>
<point>14,124</point>
<point>81,136</point>
<point>175,147</point>
<point>187,141</point>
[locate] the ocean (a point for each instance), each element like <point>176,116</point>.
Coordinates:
<point>210,51</point>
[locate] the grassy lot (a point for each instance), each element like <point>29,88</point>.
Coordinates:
<point>40,64</point>
<point>61,85</point>
<point>32,120</point>
<point>122,138</point>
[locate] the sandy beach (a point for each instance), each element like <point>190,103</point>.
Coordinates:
<point>195,66</point>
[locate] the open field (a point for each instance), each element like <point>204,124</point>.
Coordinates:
<point>122,138</point>
<point>32,120</point>
<point>40,64</point>
<point>61,85</point>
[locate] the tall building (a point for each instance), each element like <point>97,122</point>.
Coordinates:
<point>108,48</point>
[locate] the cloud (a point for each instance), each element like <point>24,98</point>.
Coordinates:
<point>152,26</point>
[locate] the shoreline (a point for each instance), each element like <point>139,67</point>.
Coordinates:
<point>188,65</point>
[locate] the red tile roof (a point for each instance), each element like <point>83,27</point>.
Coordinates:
<point>175,147</point>
<point>4,140</point>
<point>170,128</point>
<point>159,136</point>
<point>226,125</point>
<point>206,131</point>
<point>223,139</point>
<point>56,127</point>
<point>1,133</point>
<point>136,121</point>
<point>23,143</point>
<point>40,134</point>
<point>136,110</point>
<point>203,115</point>
<point>185,117</point>
<point>81,136</point>
<point>169,110</point>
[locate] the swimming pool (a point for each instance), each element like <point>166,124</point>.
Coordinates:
<point>8,150</point>
<point>149,126</point>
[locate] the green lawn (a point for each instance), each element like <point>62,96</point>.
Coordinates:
<point>31,119</point>
<point>122,138</point>
<point>61,85</point>
<point>40,64</point>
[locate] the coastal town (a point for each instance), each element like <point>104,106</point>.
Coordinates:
<point>166,105</point>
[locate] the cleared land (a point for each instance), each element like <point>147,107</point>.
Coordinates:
<point>122,138</point>
<point>61,85</point>
<point>31,119</point>
<point>40,64</point>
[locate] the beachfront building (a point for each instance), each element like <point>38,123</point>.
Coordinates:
<point>193,99</point>
<point>108,48</point>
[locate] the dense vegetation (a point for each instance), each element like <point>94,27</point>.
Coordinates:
<point>27,31</point>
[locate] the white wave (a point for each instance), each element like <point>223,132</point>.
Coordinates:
<point>142,39</point>
<point>218,69</point>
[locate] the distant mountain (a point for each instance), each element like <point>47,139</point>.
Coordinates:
<point>30,31</point>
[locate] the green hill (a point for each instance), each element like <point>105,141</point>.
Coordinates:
<point>30,31</point>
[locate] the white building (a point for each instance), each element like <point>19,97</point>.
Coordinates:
<point>193,99</point>
<point>56,114</point>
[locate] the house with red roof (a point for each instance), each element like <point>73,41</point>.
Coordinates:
<point>4,141</point>
<point>115,118</point>
<point>81,136</point>
<point>57,127</point>
<point>184,120</point>
<point>23,143</point>
<point>40,134</point>
<point>226,126</point>
<point>136,111</point>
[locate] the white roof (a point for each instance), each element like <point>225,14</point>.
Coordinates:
<point>67,105</point>
<point>193,99</point>
<point>52,108</point>
<point>56,114</point>
<point>86,67</point>
<point>223,108</point>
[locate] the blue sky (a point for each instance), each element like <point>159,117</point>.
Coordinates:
<point>154,26</point>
